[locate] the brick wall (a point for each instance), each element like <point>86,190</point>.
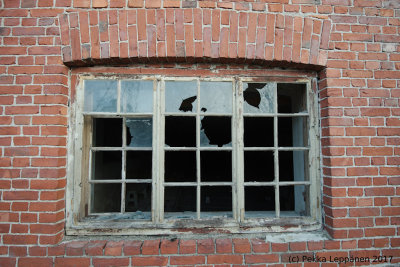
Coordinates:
<point>353,44</point>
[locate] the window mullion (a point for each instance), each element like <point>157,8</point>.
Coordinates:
<point>198,165</point>
<point>123,171</point>
<point>239,164</point>
<point>276,153</point>
<point>158,151</point>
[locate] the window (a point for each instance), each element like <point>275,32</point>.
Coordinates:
<point>158,153</point>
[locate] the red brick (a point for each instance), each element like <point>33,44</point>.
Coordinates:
<point>149,261</point>
<point>269,258</point>
<point>205,246</point>
<point>225,259</point>
<point>64,262</point>
<point>150,247</point>
<point>169,246</point>
<point>187,246</point>
<point>187,260</point>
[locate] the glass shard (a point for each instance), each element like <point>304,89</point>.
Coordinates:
<point>180,96</point>
<point>100,96</point>
<point>258,97</point>
<point>139,132</point>
<point>215,131</point>
<point>216,97</point>
<point>136,96</point>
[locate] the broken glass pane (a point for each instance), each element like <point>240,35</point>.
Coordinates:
<point>180,96</point>
<point>259,198</point>
<point>139,132</point>
<point>100,96</point>
<point>107,132</point>
<point>216,97</point>
<point>258,97</point>
<point>293,165</point>
<point>106,198</point>
<point>138,164</point>
<point>258,132</point>
<point>138,200</point>
<point>180,166</point>
<point>180,199</point>
<point>294,200</point>
<point>107,165</point>
<point>215,131</point>
<point>180,131</point>
<point>216,198</point>
<point>258,166</point>
<point>136,96</point>
<point>292,98</point>
<point>216,166</point>
<point>292,131</point>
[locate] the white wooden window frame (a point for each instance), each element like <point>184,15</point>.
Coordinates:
<point>78,165</point>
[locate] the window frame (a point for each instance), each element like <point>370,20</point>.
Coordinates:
<point>78,164</point>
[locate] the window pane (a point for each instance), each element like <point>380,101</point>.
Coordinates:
<point>107,165</point>
<point>136,96</point>
<point>293,165</point>
<point>216,131</point>
<point>291,98</point>
<point>294,200</point>
<point>258,166</point>
<point>216,97</point>
<point>216,198</point>
<point>180,166</point>
<point>100,96</point>
<point>293,131</point>
<point>138,164</point>
<point>139,132</point>
<point>180,131</point>
<point>107,132</point>
<point>258,97</point>
<point>138,199</point>
<point>106,198</point>
<point>180,199</point>
<point>258,200</point>
<point>216,166</point>
<point>258,132</point>
<point>180,96</point>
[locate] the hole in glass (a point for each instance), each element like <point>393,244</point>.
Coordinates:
<point>180,131</point>
<point>216,198</point>
<point>107,132</point>
<point>259,200</point>
<point>138,199</point>
<point>138,164</point>
<point>216,131</point>
<point>258,132</point>
<point>291,98</point>
<point>180,166</point>
<point>258,166</point>
<point>180,199</point>
<point>216,166</point>
<point>258,97</point>
<point>294,200</point>
<point>180,96</point>
<point>107,165</point>
<point>106,198</point>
